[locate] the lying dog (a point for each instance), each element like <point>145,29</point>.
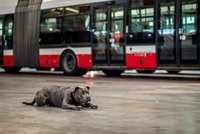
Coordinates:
<point>73,98</point>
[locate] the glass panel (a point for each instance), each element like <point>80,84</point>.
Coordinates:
<point>51,25</point>
<point>101,15</point>
<point>10,28</point>
<point>135,13</point>
<point>8,42</point>
<point>53,12</point>
<point>188,35</point>
<point>1,41</point>
<point>71,11</point>
<point>1,32</point>
<point>77,10</point>
<point>118,14</point>
<point>142,22</point>
<point>51,31</point>
<point>149,12</point>
<point>100,35</point>
<point>1,25</point>
<point>166,30</point>
<point>101,26</point>
<point>116,36</point>
<point>142,3</point>
<point>77,25</point>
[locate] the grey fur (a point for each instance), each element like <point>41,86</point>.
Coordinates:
<point>73,98</point>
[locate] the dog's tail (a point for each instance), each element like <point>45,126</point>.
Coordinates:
<point>29,103</point>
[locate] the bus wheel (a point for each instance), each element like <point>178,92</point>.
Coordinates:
<point>172,71</point>
<point>113,72</point>
<point>145,71</point>
<point>12,69</point>
<point>69,64</point>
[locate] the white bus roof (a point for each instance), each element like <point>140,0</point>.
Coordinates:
<point>8,6</point>
<point>59,3</point>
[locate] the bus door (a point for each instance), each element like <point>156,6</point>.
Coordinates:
<point>1,41</point>
<point>188,32</point>
<point>108,36</point>
<point>166,32</point>
<point>178,35</point>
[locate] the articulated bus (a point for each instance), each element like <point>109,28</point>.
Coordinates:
<point>109,35</point>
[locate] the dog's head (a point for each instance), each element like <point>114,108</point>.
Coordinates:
<point>81,94</point>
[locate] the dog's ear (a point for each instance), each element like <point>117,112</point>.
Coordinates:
<point>76,89</point>
<point>88,87</point>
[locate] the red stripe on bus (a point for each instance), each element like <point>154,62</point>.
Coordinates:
<point>84,61</point>
<point>49,61</point>
<point>135,60</point>
<point>53,61</point>
<point>141,61</point>
<point>8,61</point>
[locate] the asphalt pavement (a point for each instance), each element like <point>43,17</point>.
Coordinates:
<point>130,104</point>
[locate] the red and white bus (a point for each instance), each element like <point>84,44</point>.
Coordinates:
<point>108,35</point>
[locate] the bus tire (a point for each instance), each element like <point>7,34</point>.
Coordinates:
<point>12,69</point>
<point>145,71</point>
<point>113,72</point>
<point>69,64</point>
<point>172,71</point>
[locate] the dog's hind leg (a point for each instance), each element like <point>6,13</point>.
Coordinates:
<point>40,100</point>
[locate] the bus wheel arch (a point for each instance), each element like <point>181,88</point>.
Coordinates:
<point>113,73</point>
<point>69,63</point>
<point>173,71</point>
<point>149,71</point>
<point>12,69</point>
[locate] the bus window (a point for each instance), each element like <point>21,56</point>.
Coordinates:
<point>55,12</point>
<point>8,29</point>
<point>51,28</point>
<point>1,32</point>
<point>141,22</point>
<point>76,25</point>
<point>1,41</point>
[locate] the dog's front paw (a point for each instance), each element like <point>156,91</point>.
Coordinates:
<point>77,108</point>
<point>94,107</point>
